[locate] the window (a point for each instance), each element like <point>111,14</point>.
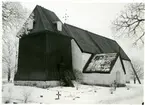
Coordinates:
<point>101,63</point>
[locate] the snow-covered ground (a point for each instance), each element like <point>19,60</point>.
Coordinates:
<point>85,94</point>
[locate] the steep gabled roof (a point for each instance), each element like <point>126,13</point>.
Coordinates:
<point>82,39</point>
<point>87,41</point>
<point>93,43</point>
<point>43,21</point>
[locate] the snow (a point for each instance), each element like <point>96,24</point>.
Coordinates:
<point>85,94</point>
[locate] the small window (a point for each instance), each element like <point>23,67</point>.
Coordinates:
<point>59,26</point>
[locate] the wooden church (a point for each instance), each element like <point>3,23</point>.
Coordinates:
<point>51,52</point>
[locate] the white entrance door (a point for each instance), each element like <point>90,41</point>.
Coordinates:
<point>118,77</point>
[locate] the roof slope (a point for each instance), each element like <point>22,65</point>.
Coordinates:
<point>93,43</point>
<point>43,20</point>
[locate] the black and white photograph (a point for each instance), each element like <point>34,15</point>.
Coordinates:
<point>72,52</point>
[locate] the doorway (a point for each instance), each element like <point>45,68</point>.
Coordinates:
<point>118,76</point>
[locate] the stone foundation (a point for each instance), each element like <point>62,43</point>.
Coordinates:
<point>41,84</point>
<point>103,85</point>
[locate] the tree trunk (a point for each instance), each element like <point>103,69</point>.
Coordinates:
<point>134,80</point>
<point>9,74</point>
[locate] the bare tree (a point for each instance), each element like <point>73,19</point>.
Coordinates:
<point>7,57</point>
<point>130,23</point>
<point>139,68</point>
<point>13,16</point>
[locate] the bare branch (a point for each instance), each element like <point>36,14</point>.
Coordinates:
<point>140,38</point>
<point>130,22</point>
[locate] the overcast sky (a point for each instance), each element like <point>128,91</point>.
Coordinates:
<point>94,17</point>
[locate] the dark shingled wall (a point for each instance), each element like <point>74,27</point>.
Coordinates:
<point>39,56</point>
<point>31,57</point>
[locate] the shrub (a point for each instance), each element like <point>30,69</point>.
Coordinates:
<point>78,75</point>
<point>7,102</point>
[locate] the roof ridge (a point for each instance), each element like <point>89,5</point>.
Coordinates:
<point>75,27</point>
<point>38,6</point>
<point>89,31</point>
